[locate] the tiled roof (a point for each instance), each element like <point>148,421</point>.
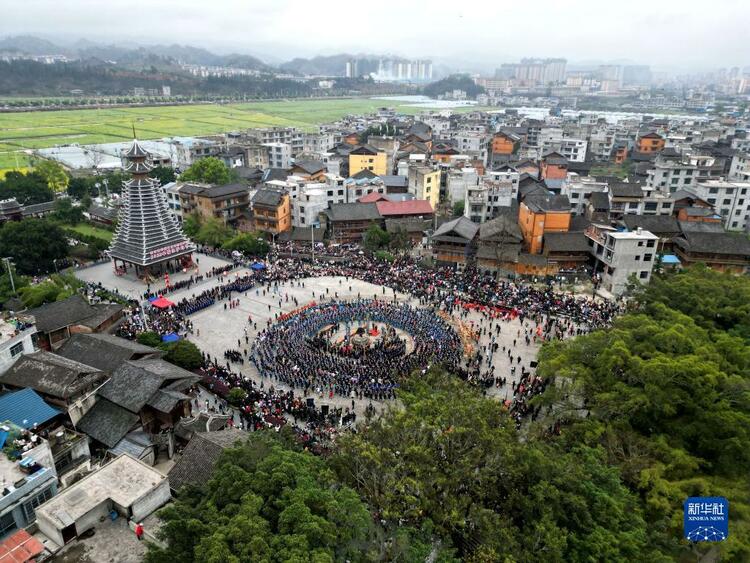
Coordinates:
<point>353,212</point>
<point>107,422</point>
<point>462,226</point>
<point>200,456</point>
<point>412,207</point>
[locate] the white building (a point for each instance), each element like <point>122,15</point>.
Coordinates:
<point>620,255</point>
<point>740,168</point>
<point>671,174</point>
<point>472,144</point>
<point>579,190</point>
<point>310,202</point>
<point>16,338</point>
<point>279,155</point>
<point>730,199</point>
<point>458,181</point>
<point>172,193</point>
<point>486,200</point>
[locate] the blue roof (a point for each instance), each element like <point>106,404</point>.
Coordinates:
<point>670,259</point>
<point>24,408</point>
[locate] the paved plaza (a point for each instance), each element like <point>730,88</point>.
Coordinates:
<point>219,327</point>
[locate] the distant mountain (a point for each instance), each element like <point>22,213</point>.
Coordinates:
<point>157,55</point>
<point>31,45</point>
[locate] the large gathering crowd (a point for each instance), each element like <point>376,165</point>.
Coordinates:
<point>290,352</point>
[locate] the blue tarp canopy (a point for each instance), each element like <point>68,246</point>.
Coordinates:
<point>258,266</point>
<point>152,299</point>
<point>171,337</point>
<point>25,408</point>
<point>670,259</point>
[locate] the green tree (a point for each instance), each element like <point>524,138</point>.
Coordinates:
<point>149,338</point>
<point>375,238</point>
<point>667,400</point>
<point>210,170</point>
<point>458,208</point>
<point>54,175</point>
<point>165,174</point>
<point>250,244</point>
<point>236,395</point>
<point>26,188</point>
<point>400,240</point>
<point>213,232</point>
<point>6,288</point>
<point>183,353</point>
<point>192,224</point>
<point>33,244</point>
<point>451,460</point>
<point>268,504</point>
<point>79,187</point>
<point>57,287</point>
<point>65,212</point>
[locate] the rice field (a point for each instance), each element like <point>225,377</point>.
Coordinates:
<point>20,132</point>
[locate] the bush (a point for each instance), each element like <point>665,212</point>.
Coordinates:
<point>236,396</point>
<point>183,354</point>
<point>149,338</point>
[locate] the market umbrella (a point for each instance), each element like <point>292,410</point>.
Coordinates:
<point>171,337</point>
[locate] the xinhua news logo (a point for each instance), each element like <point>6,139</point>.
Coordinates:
<point>706,519</point>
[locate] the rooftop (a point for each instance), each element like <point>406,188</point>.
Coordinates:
<point>124,480</point>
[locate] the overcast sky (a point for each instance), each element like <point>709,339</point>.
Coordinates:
<point>681,34</point>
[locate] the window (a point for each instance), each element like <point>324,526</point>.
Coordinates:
<point>302,220</point>
<point>41,498</point>
<point>713,190</point>
<point>741,202</point>
<point>643,275</point>
<point>726,202</point>
<point>734,224</point>
<point>637,258</point>
<point>7,523</point>
<point>16,349</point>
<point>640,243</point>
<point>633,205</point>
<point>330,193</point>
<point>650,243</point>
<point>647,257</point>
<point>711,200</point>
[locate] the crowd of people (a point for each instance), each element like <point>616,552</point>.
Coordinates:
<point>292,352</point>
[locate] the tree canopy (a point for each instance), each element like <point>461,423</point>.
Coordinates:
<point>266,503</point>
<point>54,174</point>
<point>375,238</point>
<point>33,244</point>
<point>65,212</point>
<point>210,170</point>
<point>27,189</point>
<point>667,395</point>
<point>213,232</point>
<point>250,244</point>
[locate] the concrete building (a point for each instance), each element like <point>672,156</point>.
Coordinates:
<point>619,255</point>
<point>125,485</point>
<point>740,168</point>
<point>542,214</point>
<point>458,180</point>
<point>487,200</point>
<point>310,202</point>
<point>369,158</point>
<point>28,481</point>
<point>670,174</point>
<point>731,200</point>
<point>472,144</point>
<point>579,190</point>
<point>16,338</point>
<point>271,212</point>
<point>226,203</point>
<point>424,183</point>
<point>172,193</point>
<point>279,155</point>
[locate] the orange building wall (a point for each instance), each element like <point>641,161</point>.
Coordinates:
<point>502,145</point>
<point>534,225</point>
<point>621,155</point>
<point>648,145</point>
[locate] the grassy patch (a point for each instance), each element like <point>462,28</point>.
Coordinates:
<point>90,230</point>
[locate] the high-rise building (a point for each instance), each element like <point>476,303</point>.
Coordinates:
<point>534,71</point>
<point>636,75</point>
<point>352,68</point>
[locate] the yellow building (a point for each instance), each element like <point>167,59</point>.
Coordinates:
<point>369,158</point>
<point>424,183</point>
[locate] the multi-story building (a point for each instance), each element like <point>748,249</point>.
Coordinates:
<point>579,190</point>
<point>670,174</point>
<point>731,200</point>
<point>487,200</point>
<point>620,255</point>
<point>740,168</point>
<point>540,214</point>
<point>288,135</point>
<point>271,212</point>
<point>279,155</point>
<point>310,202</point>
<point>317,142</point>
<point>16,338</point>
<point>473,144</point>
<point>28,481</point>
<point>369,158</point>
<point>650,143</point>
<point>226,203</point>
<point>361,184</point>
<point>457,181</point>
<point>424,183</point>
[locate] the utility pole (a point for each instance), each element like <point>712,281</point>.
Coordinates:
<point>10,273</point>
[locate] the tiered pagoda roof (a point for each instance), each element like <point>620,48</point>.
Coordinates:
<point>147,232</point>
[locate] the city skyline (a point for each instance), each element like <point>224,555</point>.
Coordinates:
<point>669,36</point>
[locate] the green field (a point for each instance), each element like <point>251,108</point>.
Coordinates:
<point>41,129</point>
<point>90,230</point>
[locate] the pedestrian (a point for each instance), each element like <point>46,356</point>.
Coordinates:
<point>139,531</point>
